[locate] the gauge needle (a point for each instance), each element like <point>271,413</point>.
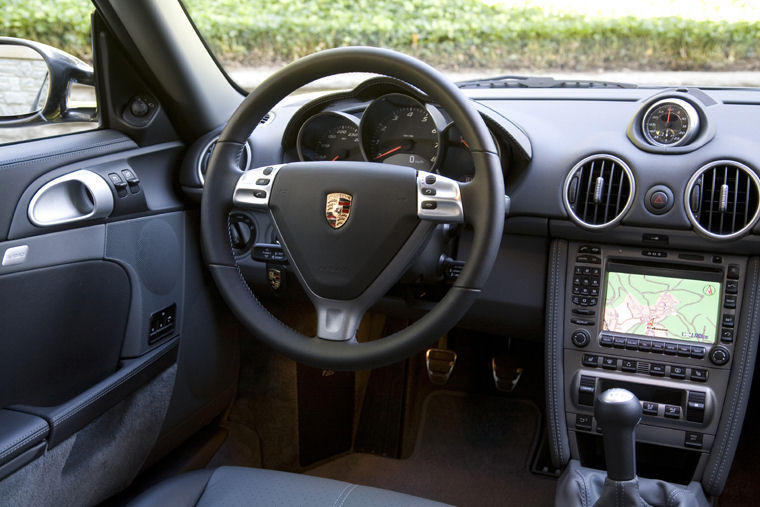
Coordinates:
<point>336,157</point>
<point>668,120</point>
<point>461,139</point>
<point>392,150</point>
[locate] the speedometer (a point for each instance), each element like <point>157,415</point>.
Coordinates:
<point>670,122</point>
<point>329,136</point>
<point>398,129</point>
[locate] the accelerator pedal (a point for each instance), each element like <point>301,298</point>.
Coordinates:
<point>506,373</point>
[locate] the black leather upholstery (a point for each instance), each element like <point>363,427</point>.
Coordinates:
<point>584,487</point>
<point>236,486</point>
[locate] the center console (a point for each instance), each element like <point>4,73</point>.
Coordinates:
<point>660,323</point>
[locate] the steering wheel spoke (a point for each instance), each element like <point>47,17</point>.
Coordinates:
<point>254,187</point>
<point>439,199</point>
<point>338,320</point>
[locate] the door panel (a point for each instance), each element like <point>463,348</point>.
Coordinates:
<point>93,316</point>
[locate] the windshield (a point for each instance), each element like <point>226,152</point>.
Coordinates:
<point>707,42</point>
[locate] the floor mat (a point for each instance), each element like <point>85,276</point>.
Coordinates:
<point>472,450</point>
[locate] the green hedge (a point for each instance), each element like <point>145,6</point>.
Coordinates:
<point>449,33</point>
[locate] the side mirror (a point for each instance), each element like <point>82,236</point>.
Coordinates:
<point>38,84</point>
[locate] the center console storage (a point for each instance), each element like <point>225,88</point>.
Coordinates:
<point>661,324</point>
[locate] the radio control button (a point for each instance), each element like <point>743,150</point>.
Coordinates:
<point>618,342</point>
<point>658,347</point>
<point>728,320</point>
<point>580,338</point>
<point>698,352</point>
<point>605,340</point>
<point>650,408</point>
<point>719,355</point>
<point>684,350</point>
<point>645,345</point>
<point>730,302</point>
<point>609,363</point>
<point>733,271</point>
<point>657,370</point>
<point>727,335</point>
<point>671,349</point>
<point>672,411</point>
<point>678,372</point>
<point>632,344</point>
<point>698,375</point>
<point>732,286</point>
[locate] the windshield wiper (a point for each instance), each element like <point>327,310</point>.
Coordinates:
<point>539,82</point>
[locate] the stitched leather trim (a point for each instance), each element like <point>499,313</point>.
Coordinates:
<point>737,394</point>
<point>555,400</point>
<point>23,441</point>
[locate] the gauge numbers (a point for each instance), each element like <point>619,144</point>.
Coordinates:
<point>670,122</point>
<point>329,136</point>
<point>398,129</point>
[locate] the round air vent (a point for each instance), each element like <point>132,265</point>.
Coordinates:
<point>723,199</point>
<point>206,156</point>
<point>599,191</point>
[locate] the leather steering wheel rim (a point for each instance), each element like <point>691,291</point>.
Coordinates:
<point>482,200</point>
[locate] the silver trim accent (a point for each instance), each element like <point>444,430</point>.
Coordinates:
<point>723,198</point>
<point>74,197</point>
<point>687,199</point>
<point>267,119</point>
<point>447,198</point>
<point>628,204</point>
<point>691,129</point>
<point>206,147</point>
<point>15,255</point>
<point>246,187</point>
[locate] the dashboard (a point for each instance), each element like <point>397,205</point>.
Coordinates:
<point>667,167</point>
<point>610,190</point>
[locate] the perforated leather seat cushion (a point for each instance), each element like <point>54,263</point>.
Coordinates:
<point>233,486</point>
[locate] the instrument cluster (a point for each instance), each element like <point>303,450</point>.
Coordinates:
<point>394,128</point>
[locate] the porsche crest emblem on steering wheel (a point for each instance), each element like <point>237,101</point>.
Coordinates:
<point>337,209</point>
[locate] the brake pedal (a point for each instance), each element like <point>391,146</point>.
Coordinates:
<point>506,373</point>
<point>440,364</point>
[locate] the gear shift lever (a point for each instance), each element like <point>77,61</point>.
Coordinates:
<point>618,411</point>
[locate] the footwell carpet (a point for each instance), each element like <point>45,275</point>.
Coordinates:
<point>471,450</point>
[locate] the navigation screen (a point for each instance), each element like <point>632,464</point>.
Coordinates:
<point>662,307</point>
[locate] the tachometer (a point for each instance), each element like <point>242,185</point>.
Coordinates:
<point>398,129</point>
<point>329,136</point>
<point>670,122</point>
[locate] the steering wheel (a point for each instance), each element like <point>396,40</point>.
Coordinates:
<point>351,229</point>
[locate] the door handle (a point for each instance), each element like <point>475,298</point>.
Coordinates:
<point>74,197</point>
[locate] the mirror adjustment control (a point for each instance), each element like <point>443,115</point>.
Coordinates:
<point>580,338</point>
<point>719,355</point>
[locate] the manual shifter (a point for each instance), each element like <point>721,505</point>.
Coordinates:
<point>618,411</point>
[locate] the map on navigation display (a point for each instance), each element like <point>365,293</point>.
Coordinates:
<point>662,307</point>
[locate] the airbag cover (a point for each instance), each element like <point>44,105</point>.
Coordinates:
<point>340,263</point>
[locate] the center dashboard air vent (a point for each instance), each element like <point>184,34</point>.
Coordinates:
<point>599,191</point>
<point>245,159</point>
<point>723,199</point>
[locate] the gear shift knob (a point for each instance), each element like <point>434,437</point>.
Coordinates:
<point>618,411</point>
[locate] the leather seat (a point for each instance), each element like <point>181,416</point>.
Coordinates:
<point>233,486</point>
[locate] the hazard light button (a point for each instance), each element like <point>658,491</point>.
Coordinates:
<point>659,199</point>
